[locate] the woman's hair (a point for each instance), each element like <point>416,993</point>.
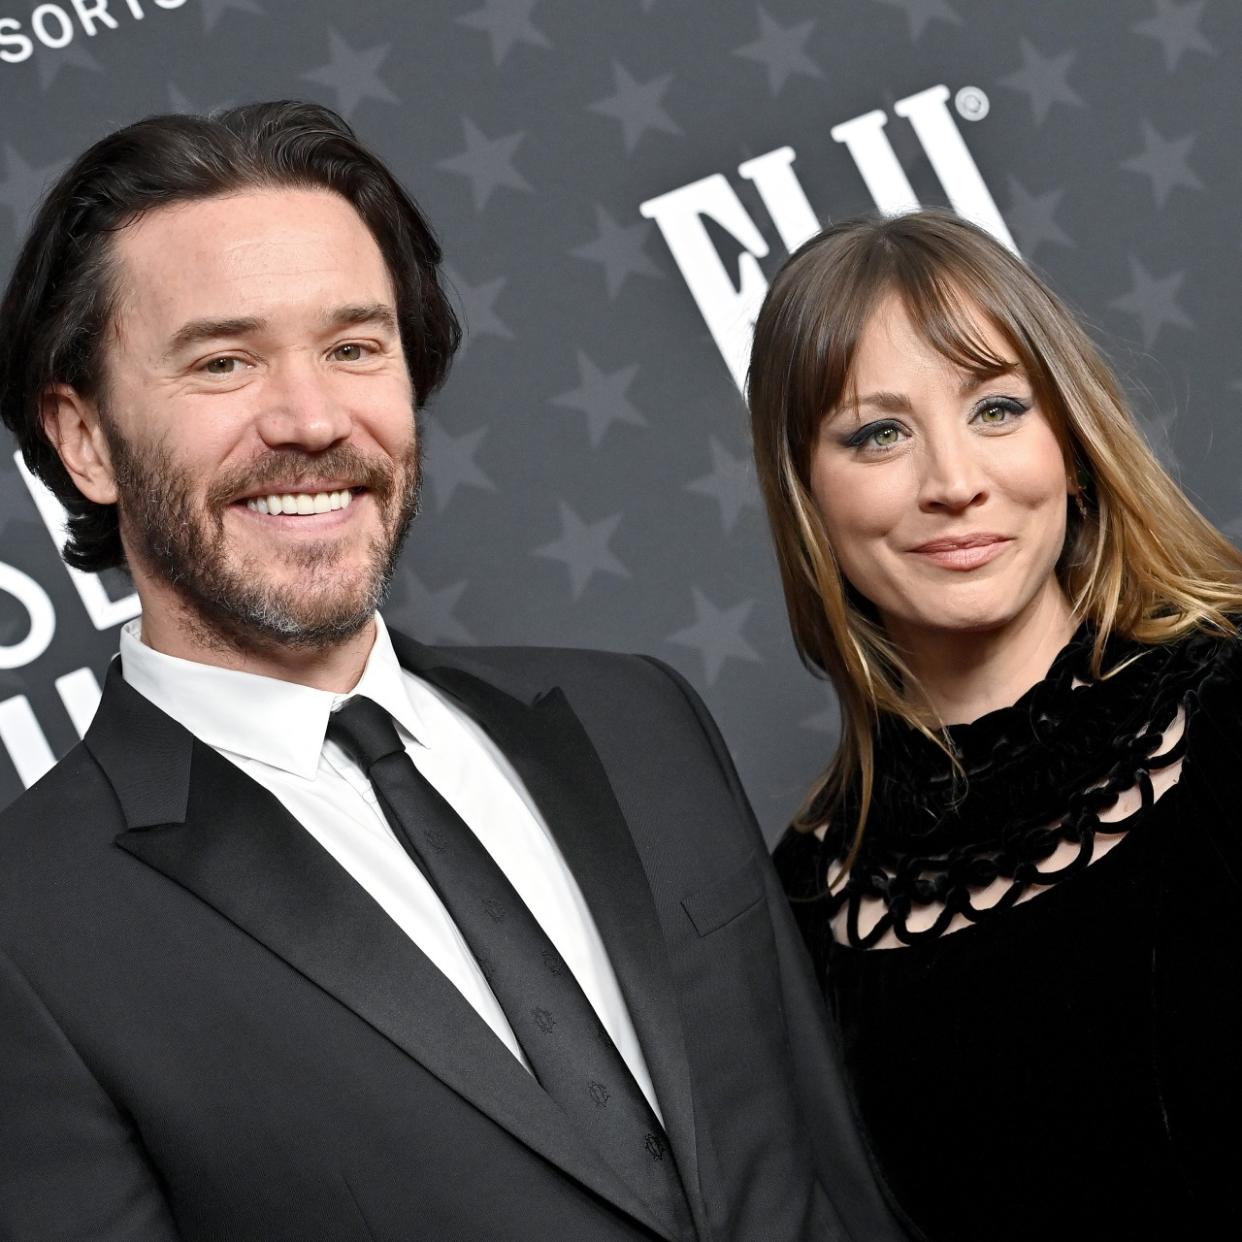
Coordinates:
<point>60,296</point>
<point>1141,561</point>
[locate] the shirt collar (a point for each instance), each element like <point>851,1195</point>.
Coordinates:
<point>280,723</point>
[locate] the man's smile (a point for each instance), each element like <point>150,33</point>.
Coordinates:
<point>300,503</point>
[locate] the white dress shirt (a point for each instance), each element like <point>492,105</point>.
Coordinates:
<point>274,731</point>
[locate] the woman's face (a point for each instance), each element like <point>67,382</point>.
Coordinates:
<point>944,497</point>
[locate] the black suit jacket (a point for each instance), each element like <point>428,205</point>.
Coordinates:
<point>208,1030</point>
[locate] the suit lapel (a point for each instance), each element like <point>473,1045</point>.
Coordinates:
<point>197,819</point>
<point>553,754</point>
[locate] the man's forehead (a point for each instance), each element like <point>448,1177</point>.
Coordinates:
<point>243,254</point>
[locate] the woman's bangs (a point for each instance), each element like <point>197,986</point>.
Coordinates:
<point>954,323</point>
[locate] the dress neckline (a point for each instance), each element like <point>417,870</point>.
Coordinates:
<point>1028,778</point>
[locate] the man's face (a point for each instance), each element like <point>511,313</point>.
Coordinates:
<point>259,416</point>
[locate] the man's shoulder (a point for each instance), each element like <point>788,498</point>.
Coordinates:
<point>69,808</point>
<point>628,702</point>
<point>69,788</point>
<point>577,664</point>
<point>576,670</point>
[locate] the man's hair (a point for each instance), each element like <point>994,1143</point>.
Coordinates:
<point>61,295</point>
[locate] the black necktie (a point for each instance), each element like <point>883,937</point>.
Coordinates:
<point>563,1039</point>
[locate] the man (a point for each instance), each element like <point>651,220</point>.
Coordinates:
<point>321,933</point>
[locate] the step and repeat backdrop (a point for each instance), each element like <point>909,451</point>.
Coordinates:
<point>614,182</point>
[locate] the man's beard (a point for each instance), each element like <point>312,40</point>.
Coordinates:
<point>229,600</point>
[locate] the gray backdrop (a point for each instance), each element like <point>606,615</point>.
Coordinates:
<point>588,476</point>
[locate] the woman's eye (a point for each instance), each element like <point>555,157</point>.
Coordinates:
<point>996,413</point>
<point>876,437</point>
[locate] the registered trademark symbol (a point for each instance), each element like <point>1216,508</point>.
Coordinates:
<point>971,103</point>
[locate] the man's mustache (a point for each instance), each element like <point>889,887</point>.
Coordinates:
<point>344,462</point>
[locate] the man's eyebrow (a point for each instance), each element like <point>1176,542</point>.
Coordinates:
<point>196,331</point>
<point>199,330</point>
<point>361,313</point>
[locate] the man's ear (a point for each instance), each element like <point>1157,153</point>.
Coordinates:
<point>71,423</point>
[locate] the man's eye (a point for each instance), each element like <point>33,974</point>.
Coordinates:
<point>222,366</point>
<point>351,352</point>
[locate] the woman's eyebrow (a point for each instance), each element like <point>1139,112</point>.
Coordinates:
<point>973,381</point>
<point>890,402</point>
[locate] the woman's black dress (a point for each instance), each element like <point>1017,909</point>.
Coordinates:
<point>1070,1065</point>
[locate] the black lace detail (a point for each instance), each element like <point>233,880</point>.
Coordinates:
<point>1036,775</point>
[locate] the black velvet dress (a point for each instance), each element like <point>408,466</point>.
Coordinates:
<point>1068,1063</point>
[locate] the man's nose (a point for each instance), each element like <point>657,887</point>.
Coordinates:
<point>303,410</point>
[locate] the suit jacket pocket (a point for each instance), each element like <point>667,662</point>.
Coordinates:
<point>723,900</point>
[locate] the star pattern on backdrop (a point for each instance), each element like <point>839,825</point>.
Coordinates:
<point>1042,79</point>
<point>601,396</point>
<point>179,101</point>
<point>75,55</point>
<point>487,163</point>
<point>476,306</point>
<point>449,461</point>
<point>23,184</point>
<point>1032,218</point>
<point>637,105</point>
<point>1176,28</point>
<point>731,484</point>
<point>506,23</point>
<point>352,74</point>
<point>620,249</point>
<point>716,634</point>
<point>214,10</point>
<point>1163,160</point>
<point>584,369</point>
<point>582,547</point>
<point>919,13</point>
<point>1153,302</point>
<point>431,615</point>
<point>781,50</point>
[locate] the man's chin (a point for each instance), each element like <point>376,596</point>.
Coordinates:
<point>280,603</point>
<point>266,623</point>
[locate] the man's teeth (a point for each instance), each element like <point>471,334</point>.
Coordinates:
<point>301,502</point>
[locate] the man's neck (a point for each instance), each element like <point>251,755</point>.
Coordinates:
<point>336,668</point>
<point>967,674</point>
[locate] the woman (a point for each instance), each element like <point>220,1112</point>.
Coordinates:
<point>1019,877</point>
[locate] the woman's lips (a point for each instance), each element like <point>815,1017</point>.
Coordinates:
<point>963,554</point>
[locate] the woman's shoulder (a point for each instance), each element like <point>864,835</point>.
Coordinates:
<point>1217,657</point>
<point>1203,672</point>
<point>1211,777</point>
<point>1213,718</point>
<point>801,860</point>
